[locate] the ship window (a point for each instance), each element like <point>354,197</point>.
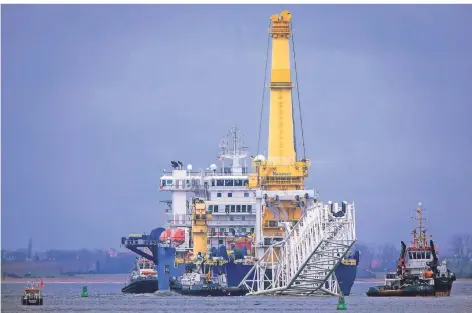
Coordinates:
<point>215,208</point>
<point>218,195</point>
<point>231,230</point>
<point>169,182</point>
<point>246,195</point>
<point>243,208</point>
<point>210,208</point>
<point>233,208</point>
<point>243,229</point>
<point>238,182</point>
<point>428,255</point>
<point>252,230</point>
<point>222,230</point>
<point>230,194</point>
<point>187,182</point>
<point>227,208</point>
<point>229,182</point>
<point>220,182</point>
<point>163,182</point>
<point>213,182</point>
<point>238,208</point>
<point>249,208</point>
<point>246,182</point>
<point>220,241</point>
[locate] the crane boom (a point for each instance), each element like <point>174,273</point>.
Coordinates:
<point>281,143</point>
<point>281,170</point>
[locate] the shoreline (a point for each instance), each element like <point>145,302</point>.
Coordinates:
<point>381,280</point>
<point>89,279</point>
<point>122,278</point>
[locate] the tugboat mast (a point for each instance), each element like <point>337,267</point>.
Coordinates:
<point>419,233</point>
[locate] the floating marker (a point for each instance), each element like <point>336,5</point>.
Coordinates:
<point>341,303</point>
<point>84,291</point>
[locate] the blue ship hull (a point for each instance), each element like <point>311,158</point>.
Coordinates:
<point>235,272</point>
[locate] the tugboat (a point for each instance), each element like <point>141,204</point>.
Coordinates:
<point>197,281</point>
<point>143,279</point>
<point>419,272</point>
<point>32,294</point>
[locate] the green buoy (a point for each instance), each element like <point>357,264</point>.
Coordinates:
<point>341,303</point>
<point>84,291</point>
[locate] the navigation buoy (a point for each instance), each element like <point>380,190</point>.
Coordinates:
<point>341,303</point>
<point>84,291</point>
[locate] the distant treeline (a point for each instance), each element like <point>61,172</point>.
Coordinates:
<point>55,263</point>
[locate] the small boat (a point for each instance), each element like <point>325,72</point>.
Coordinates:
<point>197,281</point>
<point>419,273</point>
<point>143,279</point>
<point>32,294</point>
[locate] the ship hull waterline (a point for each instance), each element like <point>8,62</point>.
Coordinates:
<point>235,272</point>
<point>441,288</point>
<point>141,287</point>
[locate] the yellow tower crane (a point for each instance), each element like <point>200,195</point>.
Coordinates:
<point>279,179</point>
<point>281,170</point>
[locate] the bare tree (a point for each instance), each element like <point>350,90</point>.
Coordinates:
<point>457,246</point>
<point>461,248</point>
<point>467,239</point>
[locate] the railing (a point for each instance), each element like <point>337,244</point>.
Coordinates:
<point>223,223</point>
<point>179,219</point>
<point>305,260</point>
<point>209,173</point>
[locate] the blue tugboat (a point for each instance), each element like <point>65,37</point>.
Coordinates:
<point>197,280</point>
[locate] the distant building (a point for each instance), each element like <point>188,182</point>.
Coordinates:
<point>30,249</point>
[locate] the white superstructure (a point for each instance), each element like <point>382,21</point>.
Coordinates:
<point>224,190</point>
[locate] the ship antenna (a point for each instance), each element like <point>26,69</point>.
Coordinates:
<point>232,148</point>
<point>419,238</point>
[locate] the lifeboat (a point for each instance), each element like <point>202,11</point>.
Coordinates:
<point>241,242</point>
<point>178,236</point>
<point>165,235</point>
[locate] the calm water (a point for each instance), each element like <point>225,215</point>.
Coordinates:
<point>65,297</point>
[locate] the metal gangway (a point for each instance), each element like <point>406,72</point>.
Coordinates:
<point>304,262</point>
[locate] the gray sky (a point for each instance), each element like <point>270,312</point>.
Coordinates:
<point>96,101</point>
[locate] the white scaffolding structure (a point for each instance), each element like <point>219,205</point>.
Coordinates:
<point>303,263</point>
